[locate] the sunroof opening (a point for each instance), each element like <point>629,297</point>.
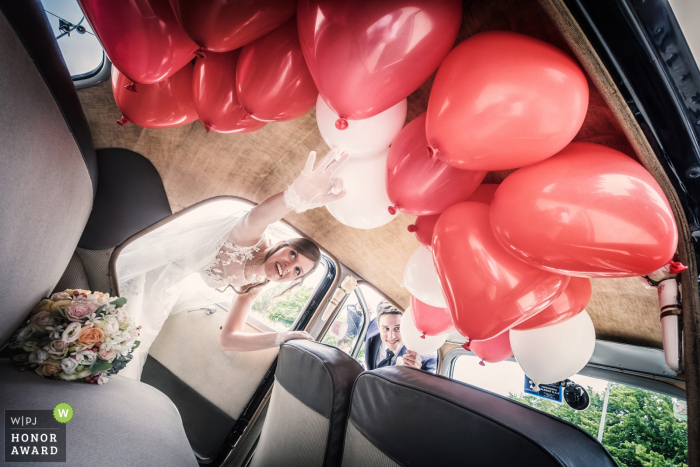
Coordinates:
<point>81,50</point>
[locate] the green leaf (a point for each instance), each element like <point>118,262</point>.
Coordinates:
<point>100,365</point>
<point>120,302</point>
<point>136,345</point>
<point>100,311</point>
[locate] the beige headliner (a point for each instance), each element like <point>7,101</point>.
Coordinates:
<point>196,165</point>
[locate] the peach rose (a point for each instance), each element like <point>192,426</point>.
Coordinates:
<point>79,310</point>
<point>88,336</point>
<point>49,368</point>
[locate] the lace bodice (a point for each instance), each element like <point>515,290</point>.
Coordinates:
<point>230,263</point>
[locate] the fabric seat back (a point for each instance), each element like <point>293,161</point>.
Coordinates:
<point>47,162</point>
<point>400,417</point>
<point>306,418</point>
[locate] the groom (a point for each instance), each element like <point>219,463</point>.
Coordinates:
<point>384,346</point>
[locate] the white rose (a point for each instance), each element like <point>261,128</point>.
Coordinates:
<point>71,332</point>
<point>69,365</point>
<point>38,356</point>
<point>111,326</point>
<point>85,357</point>
<point>123,316</point>
<point>25,334</point>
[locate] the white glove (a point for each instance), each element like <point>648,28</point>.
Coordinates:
<point>316,187</point>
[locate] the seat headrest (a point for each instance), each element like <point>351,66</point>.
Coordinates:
<point>316,374</point>
<point>462,424</point>
<point>321,377</point>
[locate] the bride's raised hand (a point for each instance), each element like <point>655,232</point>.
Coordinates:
<point>317,186</point>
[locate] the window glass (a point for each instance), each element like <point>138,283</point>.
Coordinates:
<point>640,427</point>
<point>79,46</point>
<point>274,309</point>
<point>346,329</point>
<point>349,327</point>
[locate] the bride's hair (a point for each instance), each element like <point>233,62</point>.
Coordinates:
<point>302,246</point>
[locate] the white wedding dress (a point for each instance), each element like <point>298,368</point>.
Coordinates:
<point>153,271</point>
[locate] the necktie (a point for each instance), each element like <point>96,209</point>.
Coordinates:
<point>387,360</point>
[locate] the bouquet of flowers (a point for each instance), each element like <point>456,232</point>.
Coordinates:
<point>76,335</point>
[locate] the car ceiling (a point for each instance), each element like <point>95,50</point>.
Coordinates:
<point>196,165</point>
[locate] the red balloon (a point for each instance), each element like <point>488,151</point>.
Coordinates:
<point>214,94</point>
<point>430,320</point>
<point>367,55</point>
<point>419,185</point>
<point>221,26</point>
<point>493,350</point>
<point>161,105</point>
<point>423,228</point>
<point>425,225</point>
<point>589,211</point>
<point>502,100</point>
<point>571,302</point>
<point>141,37</point>
<point>274,83</point>
<point>483,193</point>
<point>487,289</point>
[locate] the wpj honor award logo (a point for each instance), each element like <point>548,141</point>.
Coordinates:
<point>37,435</point>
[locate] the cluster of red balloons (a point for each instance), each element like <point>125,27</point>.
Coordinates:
<point>267,60</point>
<point>249,67</point>
<point>519,255</point>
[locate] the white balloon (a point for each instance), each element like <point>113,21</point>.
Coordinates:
<point>365,205</point>
<point>554,353</point>
<point>362,138</point>
<point>422,280</point>
<point>412,337</point>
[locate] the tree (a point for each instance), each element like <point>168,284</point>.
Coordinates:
<point>640,429</point>
<point>283,309</point>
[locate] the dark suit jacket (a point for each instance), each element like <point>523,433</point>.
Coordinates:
<point>373,342</point>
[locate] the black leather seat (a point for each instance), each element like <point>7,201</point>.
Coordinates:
<point>306,418</point>
<point>405,417</point>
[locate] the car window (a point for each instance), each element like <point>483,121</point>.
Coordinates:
<point>79,46</point>
<point>276,308</point>
<point>639,427</point>
<point>347,328</point>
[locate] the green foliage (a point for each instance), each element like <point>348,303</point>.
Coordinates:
<point>640,429</point>
<point>283,309</point>
<point>100,365</point>
<point>118,303</point>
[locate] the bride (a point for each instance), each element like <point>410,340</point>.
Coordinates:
<point>230,250</point>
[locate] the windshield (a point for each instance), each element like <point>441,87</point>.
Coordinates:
<point>79,46</point>
<point>638,427</point>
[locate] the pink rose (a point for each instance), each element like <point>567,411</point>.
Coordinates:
<point>107,354</point>
<point>79,310</point>
<point>64,296</point>
<point>58,347</point>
